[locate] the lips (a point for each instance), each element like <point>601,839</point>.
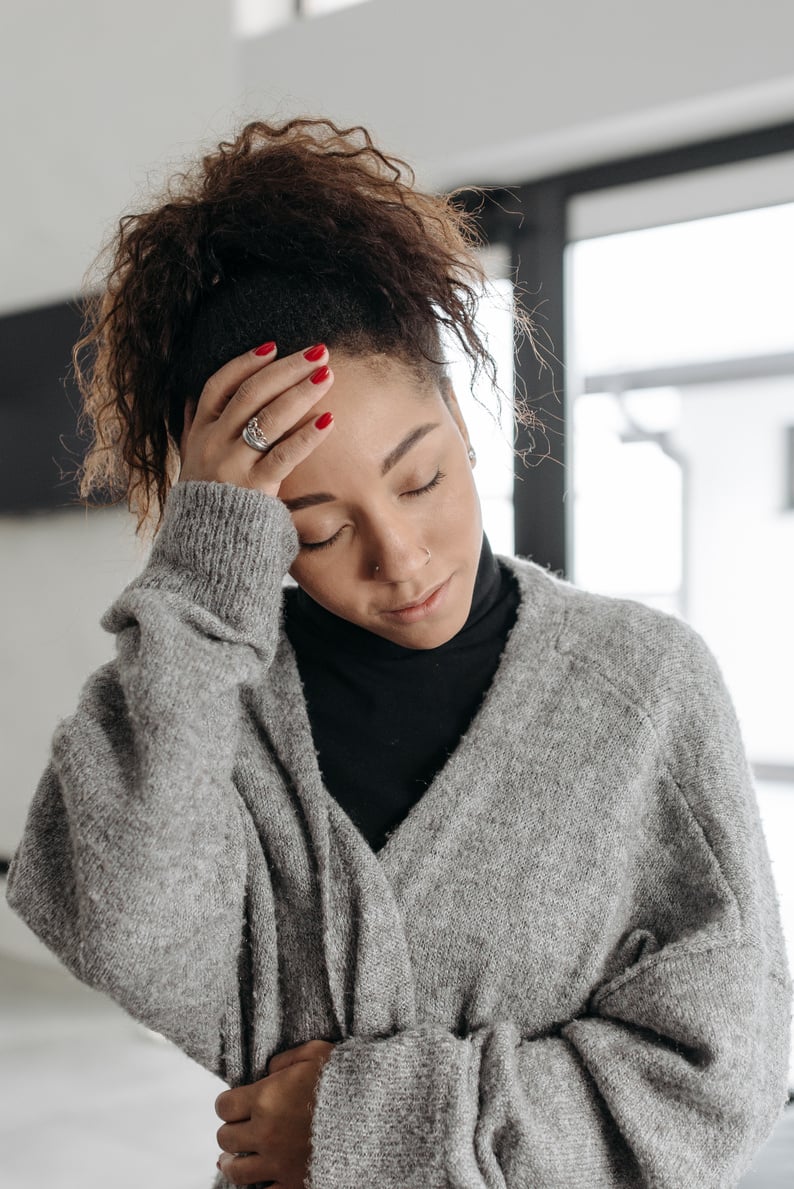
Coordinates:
<point>418,602</point>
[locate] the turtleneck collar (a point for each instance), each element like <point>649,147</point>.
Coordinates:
<point>386,718</point>
<point>305,614</point>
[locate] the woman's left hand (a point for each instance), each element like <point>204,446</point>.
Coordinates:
<point>270,1120</point>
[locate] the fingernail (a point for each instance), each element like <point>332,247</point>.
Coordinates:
<point>321,374</point>
<point>324,421</point>
<point>265,349</point>
<point>316,352</point>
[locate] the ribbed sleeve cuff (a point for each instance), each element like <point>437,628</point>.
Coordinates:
<point>226,548</point>
<point>384,1110</point>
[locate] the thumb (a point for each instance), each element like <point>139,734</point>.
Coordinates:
<point>283,1060</point>
<point>310,1050</point>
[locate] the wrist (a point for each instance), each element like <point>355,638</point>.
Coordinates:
<point>224,546</point>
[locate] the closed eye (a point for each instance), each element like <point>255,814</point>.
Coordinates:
<point>434,482</point>
<point>428,486</point>
<point>320,544</point>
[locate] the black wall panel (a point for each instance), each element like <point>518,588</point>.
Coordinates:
<point>40,448</point>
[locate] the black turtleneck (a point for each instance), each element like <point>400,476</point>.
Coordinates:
<point>386,718</point>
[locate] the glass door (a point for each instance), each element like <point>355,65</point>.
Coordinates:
<point>680,349</point>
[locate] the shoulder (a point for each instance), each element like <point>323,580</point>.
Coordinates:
<point>653,658</point>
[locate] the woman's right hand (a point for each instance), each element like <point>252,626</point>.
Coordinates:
<point>279,393</point>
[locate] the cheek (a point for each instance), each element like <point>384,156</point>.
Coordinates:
<point>328,587</point>
<point>458,506</point>
<point>302,573</point>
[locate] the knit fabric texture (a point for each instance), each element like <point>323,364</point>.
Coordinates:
<point>566,966</point>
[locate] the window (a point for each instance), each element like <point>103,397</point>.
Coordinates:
<point>491,433</point>
<point>253,18</point>
<point>680,391</point>
<point>311,8</point>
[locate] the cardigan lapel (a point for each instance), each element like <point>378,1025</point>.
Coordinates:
<point>362,926</point>
<point>524,664</point>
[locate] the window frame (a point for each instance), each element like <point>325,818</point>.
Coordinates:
<point>531,220</point>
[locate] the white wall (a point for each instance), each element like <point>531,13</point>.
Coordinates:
<point>63,570</point>
<point>514,89</point>
<point>94,94</point>
<point>98,97</point>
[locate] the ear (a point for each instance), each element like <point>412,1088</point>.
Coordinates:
<point>451,401</point>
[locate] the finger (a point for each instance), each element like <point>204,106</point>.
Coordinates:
<point>274,383</point>
<point>287,410</point>
<point>287,445</point>
<point>233,1105</point>
<point>243,1170</point>
<point>302,1052</point>
<point>291,450</point>
<point>237,1137</point>
<point>223,383</point>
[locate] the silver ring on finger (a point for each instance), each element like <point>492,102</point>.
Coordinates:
<point>253,436</point>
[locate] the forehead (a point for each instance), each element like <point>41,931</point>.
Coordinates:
<point>374,408</point>
<point>382,368</point>
<point>372,393</point>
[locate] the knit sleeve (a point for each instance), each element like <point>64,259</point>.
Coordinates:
<point>674,1074</point>
<point>132,863</point>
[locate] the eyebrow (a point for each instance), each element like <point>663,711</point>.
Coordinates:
<point>391,460</point>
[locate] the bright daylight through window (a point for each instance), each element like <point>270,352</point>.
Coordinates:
<point>681,406</point>
<point>253,18</point>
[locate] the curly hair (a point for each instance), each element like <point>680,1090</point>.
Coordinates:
<point>296,232</point>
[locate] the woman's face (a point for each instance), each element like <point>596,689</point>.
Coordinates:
<point>399,478</point>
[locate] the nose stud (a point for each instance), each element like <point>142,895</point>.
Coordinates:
<point>427,551</point>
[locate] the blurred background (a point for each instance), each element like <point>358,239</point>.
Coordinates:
<point>642,164</point>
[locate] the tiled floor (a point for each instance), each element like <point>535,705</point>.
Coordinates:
<point>89,1099</point>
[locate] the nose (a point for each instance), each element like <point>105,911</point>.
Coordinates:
<point>395,553</point>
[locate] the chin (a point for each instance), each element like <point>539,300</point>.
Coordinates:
<point>425,635</point>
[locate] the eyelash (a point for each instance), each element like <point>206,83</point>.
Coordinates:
<point>434,482</point>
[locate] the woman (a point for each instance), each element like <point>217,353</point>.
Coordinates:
<point>453,872</point>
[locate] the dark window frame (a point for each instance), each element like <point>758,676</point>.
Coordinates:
<point>531,219</point>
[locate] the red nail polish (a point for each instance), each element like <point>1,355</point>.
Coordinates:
<point>265,349</point>
<point>321,374</point>
<point>316,352</point>
<point>324,420</point>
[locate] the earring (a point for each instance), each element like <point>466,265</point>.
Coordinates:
<point>472,455</point>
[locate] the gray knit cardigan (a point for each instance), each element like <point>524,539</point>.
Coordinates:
<point>565,967</point>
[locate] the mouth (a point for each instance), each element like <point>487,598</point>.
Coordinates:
<point>424,605</point>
